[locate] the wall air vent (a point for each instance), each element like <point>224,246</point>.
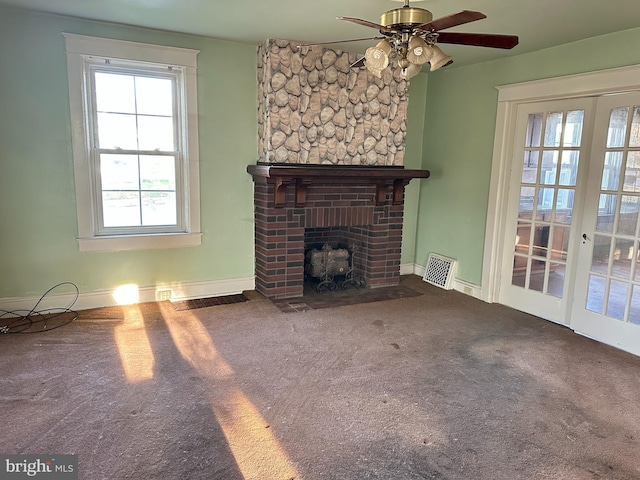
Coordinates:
<point>440,271</point>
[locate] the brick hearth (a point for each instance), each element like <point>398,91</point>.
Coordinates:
<point>315,204</point>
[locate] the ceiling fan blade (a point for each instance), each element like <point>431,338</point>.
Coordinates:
<point>479,39</point>
<point>367,23</point>
<point>339,41</point>
<point>460,18</point>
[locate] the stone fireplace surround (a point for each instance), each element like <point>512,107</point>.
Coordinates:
<point>300,204</point>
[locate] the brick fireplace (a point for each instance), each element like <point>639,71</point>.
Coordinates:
<point>300,205</point>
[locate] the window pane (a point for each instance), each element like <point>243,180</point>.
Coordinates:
<point>634,137</point>
<point>611,170</point>
<point>617,127</point>
<point>154,96</point>
<point>553,130</point>
<point>632,173</point>
<point>157,173</point>
<point>117,131</point>
<point>549,166</point>
<point>573,129</point>
<point>119,172</point>
<point>158,208</point>
<point>606,212</point>
<point>629,208</point>
<point>121,209</point>
<point>569,170</point>
<point>534,130</point>
<point>530,166</point>
<point>114,93</point>
<point>155,133</point>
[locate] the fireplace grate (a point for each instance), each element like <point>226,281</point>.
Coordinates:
<point>440,271</point>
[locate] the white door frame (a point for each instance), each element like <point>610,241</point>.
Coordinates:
<point>617,80</point>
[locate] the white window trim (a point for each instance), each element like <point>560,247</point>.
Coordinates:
<point>79,48</point>
<point>612,81</point>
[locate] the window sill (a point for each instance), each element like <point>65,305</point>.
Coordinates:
<point>139,242</point>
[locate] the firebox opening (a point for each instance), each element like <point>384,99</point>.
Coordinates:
<point>334,258</point>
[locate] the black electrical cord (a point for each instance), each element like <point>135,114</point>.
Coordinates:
<point>37,321</point>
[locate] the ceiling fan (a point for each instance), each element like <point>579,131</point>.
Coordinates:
<point>409,37</point>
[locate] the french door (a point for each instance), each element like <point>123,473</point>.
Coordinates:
<point>607,301</point>
<point>550,156</point>
<point>571,250</point>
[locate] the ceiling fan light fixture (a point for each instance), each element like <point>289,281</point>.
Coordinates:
<point>377,58</point>
<point>439,59</point>
<point>411,71</point>
<point>419,51</point>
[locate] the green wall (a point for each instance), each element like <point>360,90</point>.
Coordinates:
<point>38,216</point>
<point>38,246</point>
<point>459,129</point>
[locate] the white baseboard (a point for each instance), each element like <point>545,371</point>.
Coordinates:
<point>461,286</point>
<point>178,291</point>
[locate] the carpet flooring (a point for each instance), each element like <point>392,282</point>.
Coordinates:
<point>436,385</point>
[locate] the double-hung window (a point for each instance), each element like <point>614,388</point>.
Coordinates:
<point>134,127</point>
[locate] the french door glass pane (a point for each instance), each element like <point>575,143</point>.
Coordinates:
<point>634,307</point>
<point>530,166</point>
<point>556,279</point>
<point>549,167</point>
<point>526,202</point>
<point>606,212</point>
<point>617,299</point>
<point>634,136</point>
<point>573,129</point>
<point>595,295</point>
<point>560,243</point>
<point>632,172</point>
<point>523,237</point>
<point>611,172</point>
<point>553,130</point>
<point>617,127</point>
<point>569,170</point>
<point>600,255</point>
<point>534,130</point>
<point>628,219</point>
<point>622,258</point>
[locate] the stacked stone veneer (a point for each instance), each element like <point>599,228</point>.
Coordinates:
<point>314,109</point>
<point>334,213</point>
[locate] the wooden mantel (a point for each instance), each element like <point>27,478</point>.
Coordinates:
<point>283,175</point>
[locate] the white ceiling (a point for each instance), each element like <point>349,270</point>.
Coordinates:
<point>538,23</point>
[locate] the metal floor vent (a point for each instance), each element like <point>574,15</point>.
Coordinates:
<point>440,271</point>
